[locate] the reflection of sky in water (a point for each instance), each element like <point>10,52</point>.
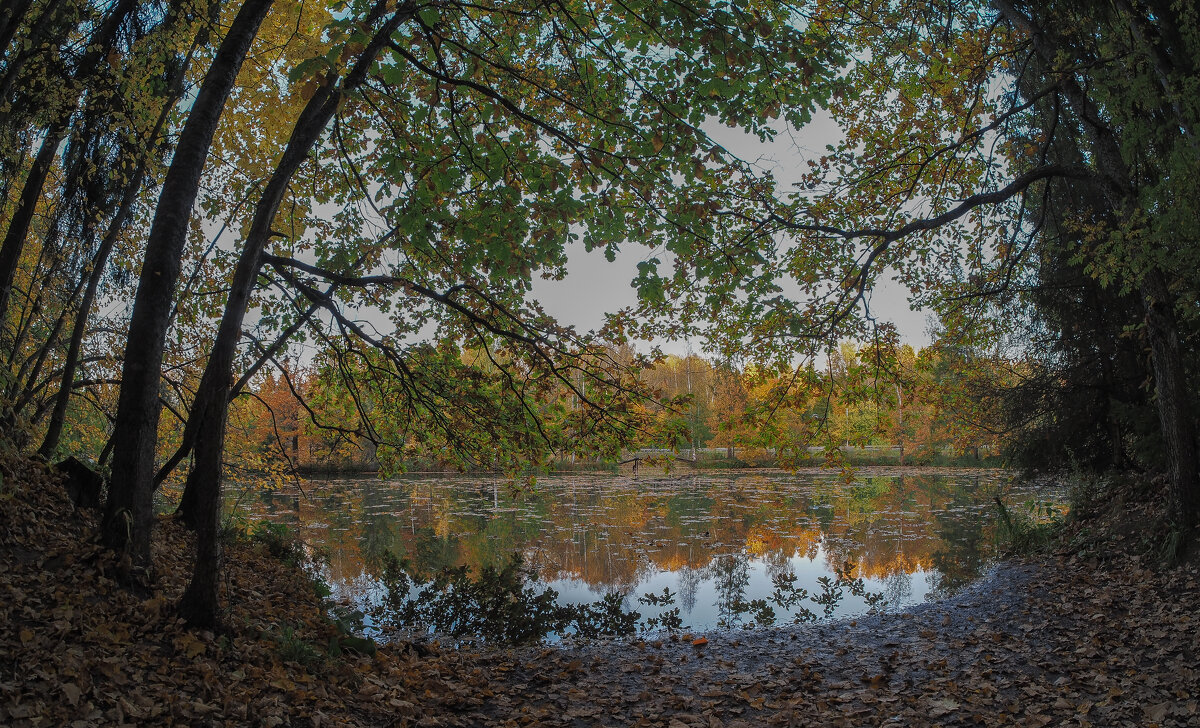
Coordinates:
<point>707,538</point>
<point>697,591</point>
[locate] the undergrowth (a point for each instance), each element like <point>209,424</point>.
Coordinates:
<point>1030,529</point>
<point>1109,515</point>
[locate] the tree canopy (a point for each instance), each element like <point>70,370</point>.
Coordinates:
<point>384,180</point>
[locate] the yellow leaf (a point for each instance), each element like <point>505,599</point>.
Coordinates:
<point>191,646</point>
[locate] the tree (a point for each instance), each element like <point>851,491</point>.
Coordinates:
<point>956,118</point>
<point>62,107</point>
<point>96,128</point>
<point>729,401</point>
<point>137,149</point>
<point>1141,168</point>
<point>128,513</point>
<point>202,497</point>
<point>553,145</point>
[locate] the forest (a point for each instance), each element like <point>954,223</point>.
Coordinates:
<point>241,239</point>
<point>913,407</point>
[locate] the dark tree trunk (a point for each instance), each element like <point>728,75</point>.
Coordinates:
<point>200,604</point>
<point>128,514</point>
<point>1172,400</point>
<point>207,419</point>
<point>201,502</point>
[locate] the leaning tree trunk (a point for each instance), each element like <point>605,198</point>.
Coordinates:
<point>201,502</point>
<point>187,441</point>
<point>22,219</point>
<point>128,513</point>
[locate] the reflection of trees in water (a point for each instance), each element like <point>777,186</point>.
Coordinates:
<point>378,527</point>
<point>432,552</point>
<point>612,533</point>
<point>689,580</point>
<point>777,562</point>
<point>962,554</point>
<point>731,576</point>
<point>897,587</point>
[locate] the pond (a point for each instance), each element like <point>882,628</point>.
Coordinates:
<point>717,542</point>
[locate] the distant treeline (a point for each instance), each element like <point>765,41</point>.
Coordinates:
<point>909,406</point>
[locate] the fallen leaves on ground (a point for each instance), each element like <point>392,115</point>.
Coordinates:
<point>80,650</point>
<point>1057,640</point>
<point>1107,639</point>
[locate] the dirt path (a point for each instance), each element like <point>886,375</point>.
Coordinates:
<point>1049,642</point>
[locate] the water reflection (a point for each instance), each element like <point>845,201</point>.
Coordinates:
<point>717,541</point>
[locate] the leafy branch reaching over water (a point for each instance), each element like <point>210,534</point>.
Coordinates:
<point>670,619</point>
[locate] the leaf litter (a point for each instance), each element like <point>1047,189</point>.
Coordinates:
<point>1059,639</point>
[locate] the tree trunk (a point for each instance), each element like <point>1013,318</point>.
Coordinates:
<point>189,432</point>
<point>200,604</point>
<point>128,514</point>
<point>201,502</point>
<point>1172,400</point>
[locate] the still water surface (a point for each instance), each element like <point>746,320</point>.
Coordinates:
<point>713,539</point>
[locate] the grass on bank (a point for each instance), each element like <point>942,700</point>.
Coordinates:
<point>1108,516</point>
